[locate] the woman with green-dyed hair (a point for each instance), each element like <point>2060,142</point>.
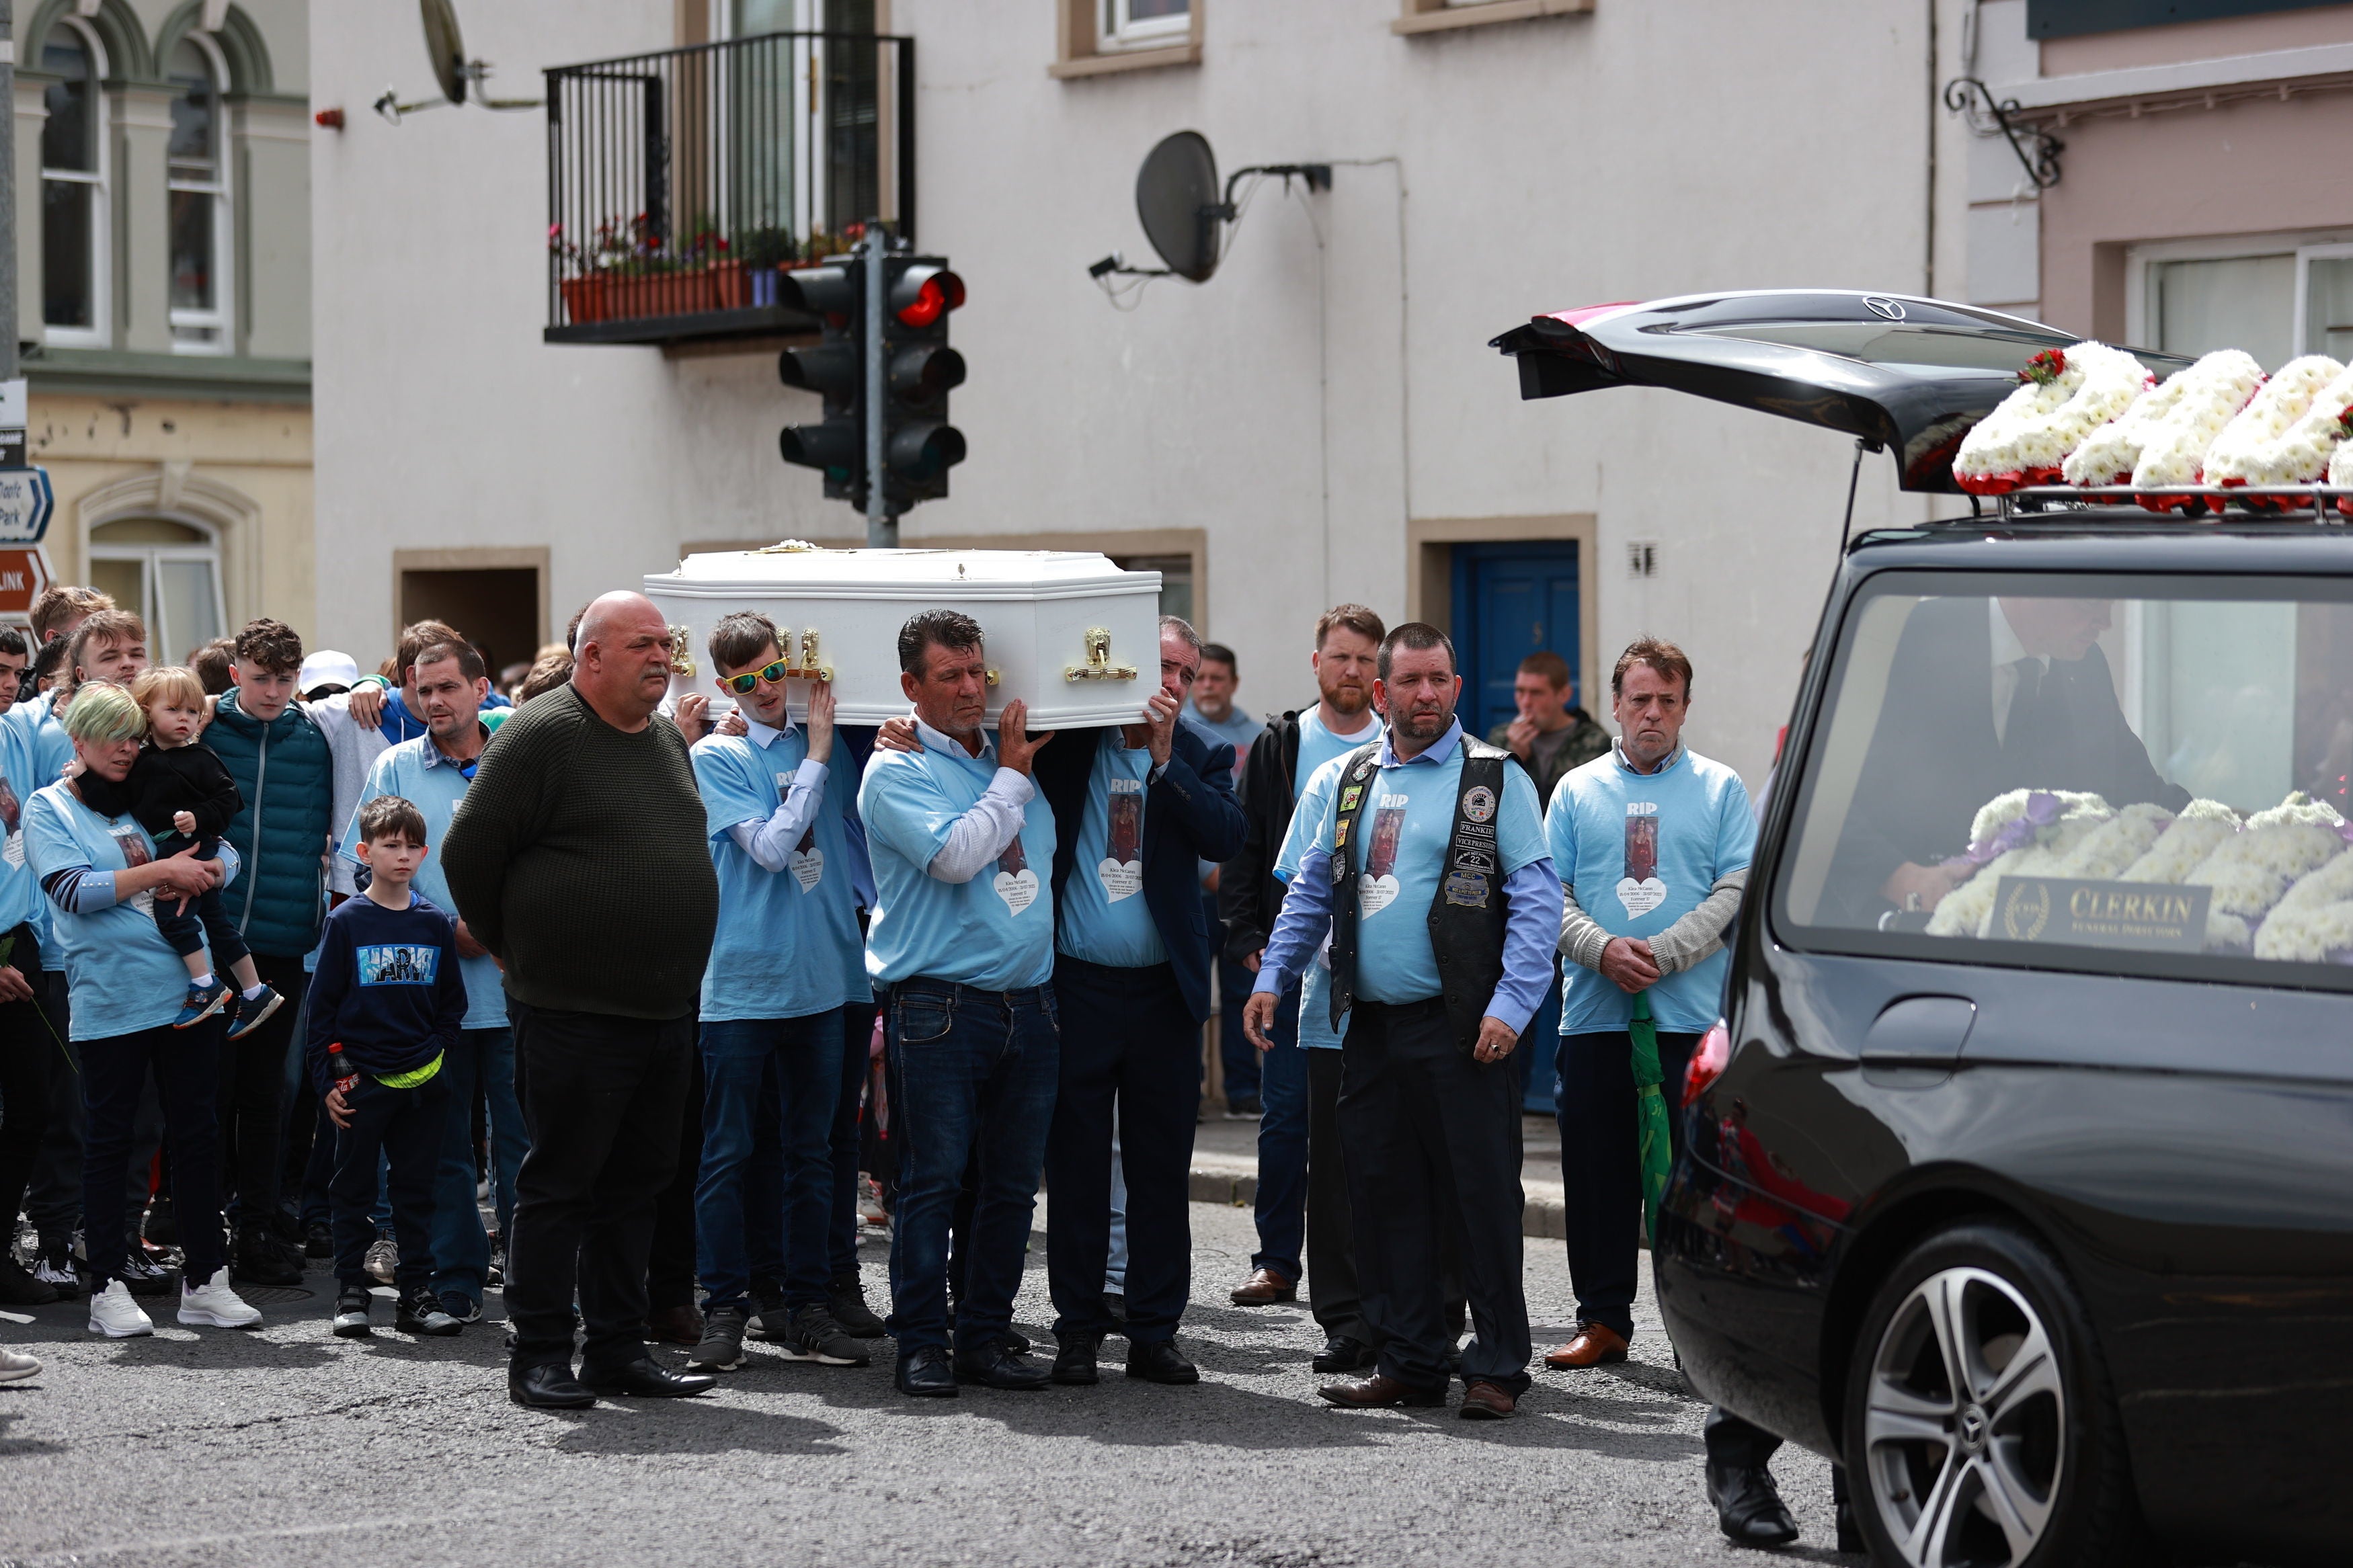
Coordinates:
<point>100,873</point>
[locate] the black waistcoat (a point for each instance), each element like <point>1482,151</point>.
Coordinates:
<point>1466,913</point>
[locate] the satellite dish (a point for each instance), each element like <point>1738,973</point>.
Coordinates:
<point>445,48</point>
<point>1176,198</point>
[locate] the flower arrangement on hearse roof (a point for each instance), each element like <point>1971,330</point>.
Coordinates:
<point>2282,880</point>
<point>2091,415</point>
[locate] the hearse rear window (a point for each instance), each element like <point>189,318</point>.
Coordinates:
<point>2144,774</point>
<point>1978,348</point>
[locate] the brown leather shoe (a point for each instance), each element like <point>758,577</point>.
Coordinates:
<point>1485,1401</point>
<point>1378,1391</point>
<point>1593,1345</point>
<point>674,1326</point>
<point>1264,1287</point>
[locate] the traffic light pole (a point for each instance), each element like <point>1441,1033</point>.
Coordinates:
<point>881,523</point>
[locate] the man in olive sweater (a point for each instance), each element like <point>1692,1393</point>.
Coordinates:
<point>578,859</point>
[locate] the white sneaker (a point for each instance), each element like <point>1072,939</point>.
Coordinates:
<point>214,1305</point>
<point>113,1313</point>
<point>16,1366</point>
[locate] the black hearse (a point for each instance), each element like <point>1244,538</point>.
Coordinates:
<point>2034,1211</point>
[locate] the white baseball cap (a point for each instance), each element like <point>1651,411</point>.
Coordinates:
<point>327,668</point>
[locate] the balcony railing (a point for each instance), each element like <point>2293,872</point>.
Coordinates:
<point>680,184</point>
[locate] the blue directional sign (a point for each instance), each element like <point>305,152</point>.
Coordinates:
<point>26,502</point>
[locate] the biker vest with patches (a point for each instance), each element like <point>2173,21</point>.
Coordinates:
<point>1466,913</point>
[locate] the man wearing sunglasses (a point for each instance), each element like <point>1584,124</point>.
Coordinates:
<point>446,686</point>
<point>787,961</point>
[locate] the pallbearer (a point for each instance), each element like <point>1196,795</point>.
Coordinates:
<point>1425,861</point>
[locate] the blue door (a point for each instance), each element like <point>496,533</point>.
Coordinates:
<point>1510,601</point>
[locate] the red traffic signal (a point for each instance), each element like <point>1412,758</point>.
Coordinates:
<point>922,294</point>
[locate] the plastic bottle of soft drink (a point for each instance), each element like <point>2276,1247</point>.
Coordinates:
<point>345,1075</point>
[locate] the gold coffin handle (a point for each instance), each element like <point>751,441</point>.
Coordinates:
<point>682,652</point>
<point>808,668</point>
<point>1098,666</point>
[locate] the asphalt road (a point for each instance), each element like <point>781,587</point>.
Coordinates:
<point>286,1446</point>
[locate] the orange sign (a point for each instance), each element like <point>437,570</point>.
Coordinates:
<point>24,572</point>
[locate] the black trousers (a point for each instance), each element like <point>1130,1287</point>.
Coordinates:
<point>1333,1292</point>
<point>252,1096</point>
<point>669,1264</point>
<point>30,1059</point>
<point>602,1098</point>
<point>1601,1166</point>
<point>401,1128</point>
<point>113,1078</point>
<point>1430,1136</point>
<point>1130,1043</point>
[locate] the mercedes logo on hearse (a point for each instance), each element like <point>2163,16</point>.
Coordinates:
<point>1881,305</point>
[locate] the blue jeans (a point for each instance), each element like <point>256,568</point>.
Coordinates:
<point>1282,1146</point>
<point>483,1061</point>
<point>972,1073</point>
<point>794,1064</point>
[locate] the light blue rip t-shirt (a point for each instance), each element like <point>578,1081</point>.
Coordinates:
<point>121,974</point>
<point>787,944</point>
<point>21,900</point>
<point>419,773</point>
<point>1102,917</point>
<point>995,932</point>
<point>1317,747</point>
<point>1640,851</point>
<point>1315,1031</point>
<point>1399,849</point>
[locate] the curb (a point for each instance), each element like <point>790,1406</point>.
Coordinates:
<point>1544,1214</point>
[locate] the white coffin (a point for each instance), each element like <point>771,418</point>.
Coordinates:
<point>1068,632</point>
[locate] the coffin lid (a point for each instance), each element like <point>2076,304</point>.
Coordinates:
<point>951,573</point>
<point>1906,373</point>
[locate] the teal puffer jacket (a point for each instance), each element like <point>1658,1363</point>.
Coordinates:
<point>283,770</point>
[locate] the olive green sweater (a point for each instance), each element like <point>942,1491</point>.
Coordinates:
<point>578,856</point>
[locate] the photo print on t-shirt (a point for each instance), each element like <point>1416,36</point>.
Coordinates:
<point>133,844</point>
<point>12,819</point>
<point>807,860</point>
<point>1378,887</point>
<point>1015,882</point>
<point>398,963</point>
<point>1639,890</point>
<point>1121,870</point>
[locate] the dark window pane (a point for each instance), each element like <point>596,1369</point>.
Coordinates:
<point>68,296</point>
<point>68,136</point>
<point>195,114</point>
<point>192,251</point>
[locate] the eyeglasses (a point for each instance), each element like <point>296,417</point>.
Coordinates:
<point>740,685</point>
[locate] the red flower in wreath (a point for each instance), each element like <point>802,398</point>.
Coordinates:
<point>2345,423</point>
<point>2045,367</point>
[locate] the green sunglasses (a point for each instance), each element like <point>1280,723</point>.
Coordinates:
<point>774,674</point>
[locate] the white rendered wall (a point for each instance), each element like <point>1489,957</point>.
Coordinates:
<point>1331,381</point>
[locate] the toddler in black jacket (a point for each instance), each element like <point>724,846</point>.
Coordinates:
<point>179,791</point>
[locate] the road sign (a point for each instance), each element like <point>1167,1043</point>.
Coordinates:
<point>12,423</point>
<point>24,573</point>
<point>26,502</point>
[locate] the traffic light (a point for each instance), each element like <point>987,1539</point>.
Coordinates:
<point>919,370</point>
<point>834,368</point>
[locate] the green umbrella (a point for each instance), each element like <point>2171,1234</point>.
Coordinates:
<point>1649,1113</point>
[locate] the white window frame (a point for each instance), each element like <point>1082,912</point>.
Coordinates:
<point>1119,30</point>
<point>99,333</point>
<point>2305,255</point>
<point>2141,328</point>
<point>149,559</point>
<point>219,321</point>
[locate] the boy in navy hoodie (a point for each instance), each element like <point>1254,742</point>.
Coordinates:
<point>386,1001</point>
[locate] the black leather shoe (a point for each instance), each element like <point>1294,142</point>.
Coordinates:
<point>549,1387</point>
<point>1160,1361</point>
<point>641,1379</point>
<point>1748,1505</point>
<point>1075,1361</point>
<point>1001,1366</point>
<point>926,1374</point>
<point>1344,1352</point>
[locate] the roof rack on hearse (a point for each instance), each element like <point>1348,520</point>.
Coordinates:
<point>2329,505</point>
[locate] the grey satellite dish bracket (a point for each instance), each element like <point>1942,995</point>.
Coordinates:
<point>446,46</point>
<point>1183,209</point>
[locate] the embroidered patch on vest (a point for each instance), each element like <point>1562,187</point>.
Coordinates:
<point>1479,803</point>
<point>1468,888</point>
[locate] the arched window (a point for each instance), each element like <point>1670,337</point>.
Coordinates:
<point>197,170</point>
<point>73,189</point>
<point>170,572</point>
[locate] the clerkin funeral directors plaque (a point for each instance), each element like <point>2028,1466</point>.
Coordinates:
<point>2156,916</point>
